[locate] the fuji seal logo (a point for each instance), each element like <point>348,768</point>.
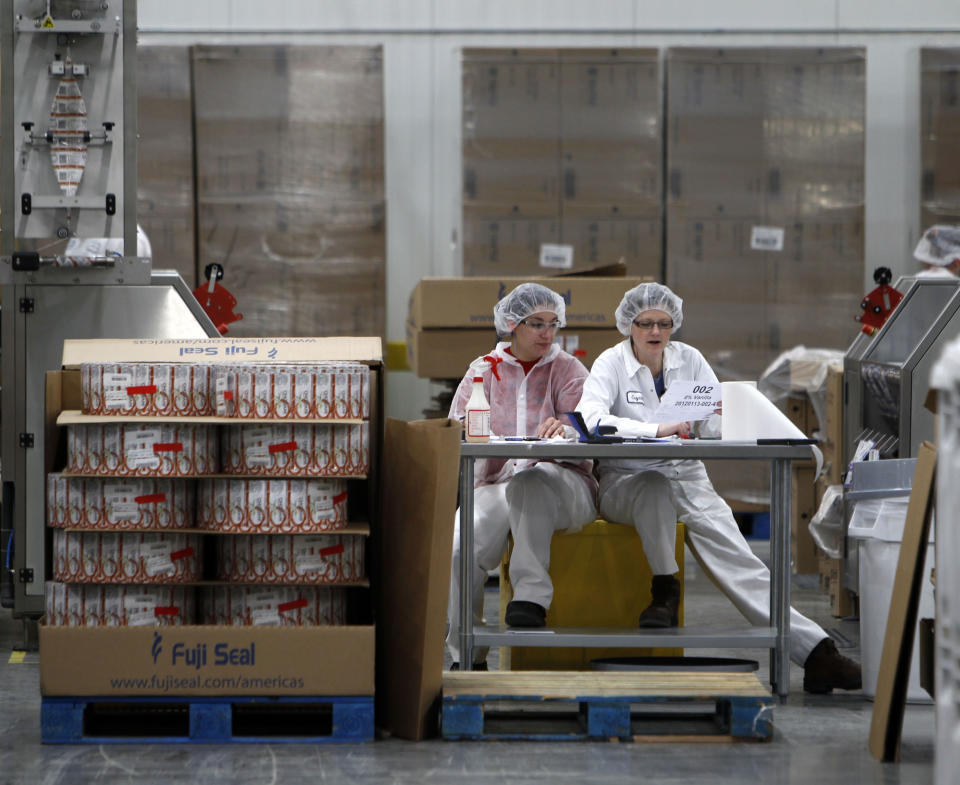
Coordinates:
<point>157,646</point>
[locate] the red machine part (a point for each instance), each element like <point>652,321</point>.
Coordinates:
<point>216,300</point>
<point>879,303</point>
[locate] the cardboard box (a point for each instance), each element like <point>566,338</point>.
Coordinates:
<point>510,93</point>
<point>803,508</point>
<point>415,549</point>
<point>511,172</point>
<point>145,661</point>
<point>625,173</point>
<point>508,238</point>
<point>468,302</point>
<point>842,602</point>
<point>832,430</point>
<point>599,235</point>
<point>610,95</point>
<point>446,354</point>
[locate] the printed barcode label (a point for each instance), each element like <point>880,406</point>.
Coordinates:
<point>115,390</point>
<point>156,558</point>
<point>256,446</point>
<point>120,502</point>
<point>139,447</point>
<point>766,238</point>
<point>321,504</point>
<point>263,608</point>
<point>138,609</point>
<point>559,257</point>
<point>307,556</point>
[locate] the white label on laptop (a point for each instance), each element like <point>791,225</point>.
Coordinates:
<point>559,257</point>
<point>766,238</point>
<point>688,401</point>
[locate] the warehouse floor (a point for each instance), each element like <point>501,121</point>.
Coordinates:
<point>820,740</point>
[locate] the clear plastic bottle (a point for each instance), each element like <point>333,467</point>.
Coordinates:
<point>477,414</point>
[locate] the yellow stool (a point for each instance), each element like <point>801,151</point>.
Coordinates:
<point>601,578</point>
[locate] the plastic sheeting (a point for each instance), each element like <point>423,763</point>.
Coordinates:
<point>765,155</point>
<point>561,146</point>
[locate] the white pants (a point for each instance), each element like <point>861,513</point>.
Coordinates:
<point>533,504</point>
<point>653,501</point>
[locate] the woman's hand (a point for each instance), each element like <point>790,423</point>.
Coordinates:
<point>550,427</point>
<point>671,428</point>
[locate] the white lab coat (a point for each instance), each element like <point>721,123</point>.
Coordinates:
<point>654,495</point>
<point>529,499</point>
<point>935,272</point>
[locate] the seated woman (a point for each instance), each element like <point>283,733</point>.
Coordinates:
<point>624,387</point>
<point>529,382</point>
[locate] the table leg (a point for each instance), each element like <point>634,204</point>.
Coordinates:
<point>780,503</point>
<point>466,563</point>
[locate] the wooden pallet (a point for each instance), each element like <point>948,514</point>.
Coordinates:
<point>629,705</point>
<point>206,720</point>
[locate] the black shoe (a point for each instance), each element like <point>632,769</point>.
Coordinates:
<point>477,666</point>
<point>521,613</point>
<point>664,608</point>
<point>827,669</point>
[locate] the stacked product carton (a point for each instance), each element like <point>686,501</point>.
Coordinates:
<point>450,320</point>
<point>290,184</point>
<point>765,158</point>
<point>940,136</point>
<point>200,489</point>
<point>561,148</point>
<point>765,200</point>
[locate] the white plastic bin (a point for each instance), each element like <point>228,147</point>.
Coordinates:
<point>878,526</point>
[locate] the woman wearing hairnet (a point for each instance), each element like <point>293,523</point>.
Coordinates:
<point>529,382</point>
<point>625,383</point>
<point>939,252</point>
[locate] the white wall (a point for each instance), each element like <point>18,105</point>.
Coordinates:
<point>422,40</point>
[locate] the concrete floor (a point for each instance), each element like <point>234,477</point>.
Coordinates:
<point>818,740</point>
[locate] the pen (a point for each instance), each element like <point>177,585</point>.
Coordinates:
<point>521,438</point>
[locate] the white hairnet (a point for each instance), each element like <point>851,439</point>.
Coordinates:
<point>646,297</point>
<point>940,245</point>
<point>526,299</point>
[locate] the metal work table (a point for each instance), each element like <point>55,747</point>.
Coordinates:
<point>776,637</point>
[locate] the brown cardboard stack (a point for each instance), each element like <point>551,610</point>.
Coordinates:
<point>290,184</point>
<point>165,157</point>
<point>561,147</point>
<point>940,136</point>
<point>450,320</point>
<point>765,200</point>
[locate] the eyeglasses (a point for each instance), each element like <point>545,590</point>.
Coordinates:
<point>539,327</point>
<point>666,324</point>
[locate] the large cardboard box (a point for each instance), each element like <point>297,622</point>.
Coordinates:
<point>446,354</point>
<point>510,93</point>
<point>145,661</point>
<point>803,508</point>
<point>508,239</point>
<point>212,660</point>
<point>600,234</point>
<point>420,482</point>
<point>468,302</point>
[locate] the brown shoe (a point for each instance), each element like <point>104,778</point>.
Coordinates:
<point>663,609</point>
<point>826,669</point>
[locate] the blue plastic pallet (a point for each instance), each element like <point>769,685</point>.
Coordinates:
<point>515,710</point>
<point>171,720</point>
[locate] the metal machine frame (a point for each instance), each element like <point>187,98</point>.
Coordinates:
<point>915,423</point>
<point>44,303</point>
